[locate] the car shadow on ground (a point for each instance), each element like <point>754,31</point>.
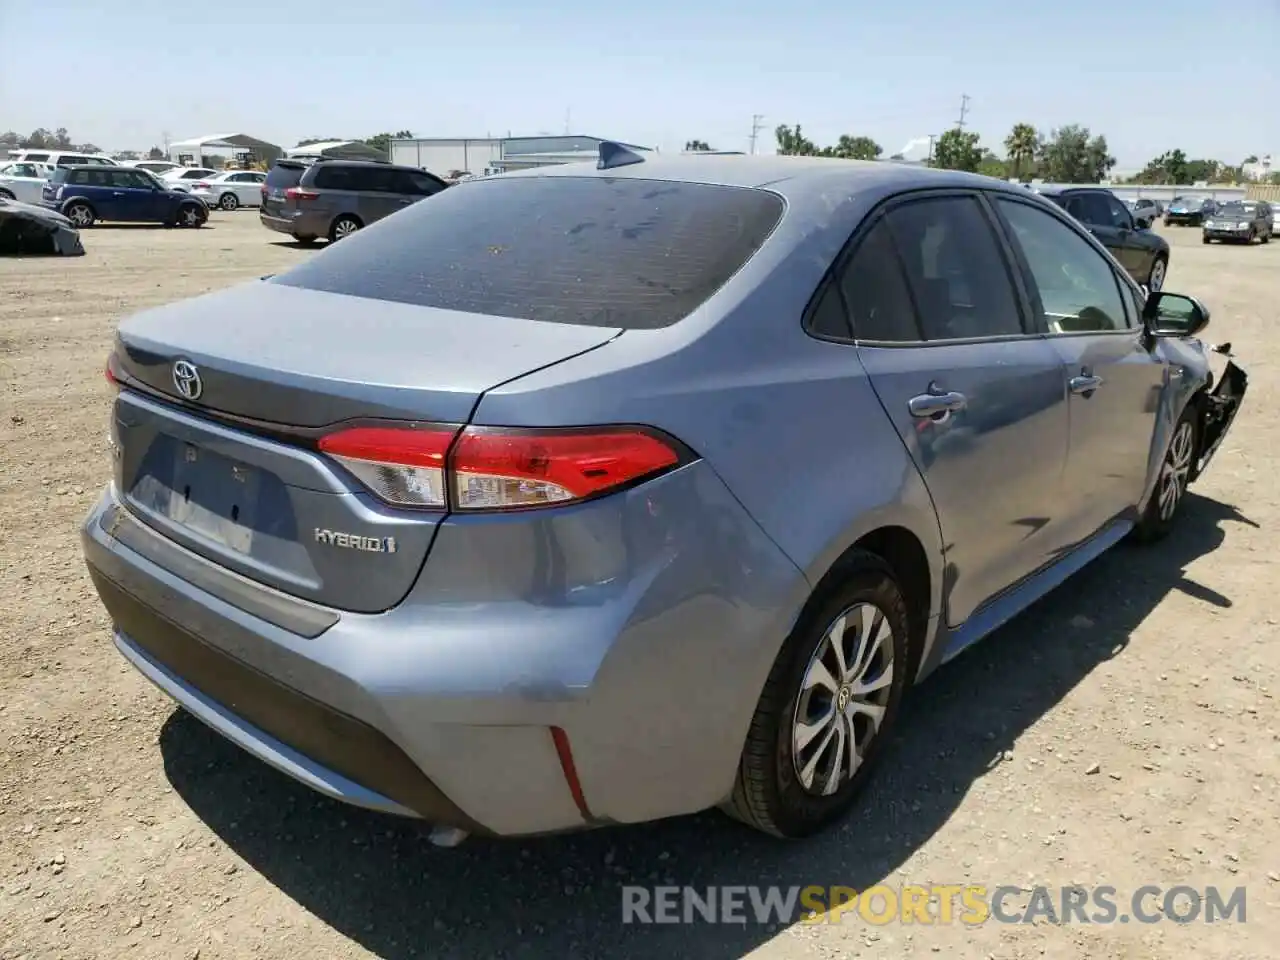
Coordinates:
<point>376,880</point>
<point>136,227</point>
<point>295,245</point>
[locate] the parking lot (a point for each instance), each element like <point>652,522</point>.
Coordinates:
<point>1126,731</point>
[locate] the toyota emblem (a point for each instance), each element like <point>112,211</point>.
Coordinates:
<point>186,378</point>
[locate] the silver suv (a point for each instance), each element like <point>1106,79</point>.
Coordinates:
<point>335,198</point>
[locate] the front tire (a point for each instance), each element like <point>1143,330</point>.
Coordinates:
<point>1171,483</point>
<point>191,216</point>
<point>81,214</point>
<point>828,705</point>
<point>1159,270</point>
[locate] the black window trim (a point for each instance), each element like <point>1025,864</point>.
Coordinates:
<point>1120,276</point>
<point>1029,319</point>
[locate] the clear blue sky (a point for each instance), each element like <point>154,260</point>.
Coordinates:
<point>656,73</point>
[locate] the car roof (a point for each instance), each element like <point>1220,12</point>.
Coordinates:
<point>795,178</point>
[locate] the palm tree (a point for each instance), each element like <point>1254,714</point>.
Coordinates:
<point>1022,145</point>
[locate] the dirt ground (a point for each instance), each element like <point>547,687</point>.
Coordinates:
<point>1125,731</point>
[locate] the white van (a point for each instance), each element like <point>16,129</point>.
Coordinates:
<point>62,158</point>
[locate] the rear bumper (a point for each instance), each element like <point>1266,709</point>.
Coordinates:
<point>303,225</point>
<point>444,708</point>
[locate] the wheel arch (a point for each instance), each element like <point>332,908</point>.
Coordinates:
<point>910,542</point>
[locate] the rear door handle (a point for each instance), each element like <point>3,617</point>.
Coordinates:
<point>930,405</point>
<point>118,193</point>
<point>1085,385</point>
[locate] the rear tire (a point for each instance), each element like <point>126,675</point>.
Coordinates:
<point>1206,240</point>
<point>81,214</point>
<point>228,201</point>
<point>818,729</point>
<point>7,195</point>
<point>342,227</point>
<point>1171,484</point>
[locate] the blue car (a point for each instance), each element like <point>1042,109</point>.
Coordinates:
<point>87,194</point>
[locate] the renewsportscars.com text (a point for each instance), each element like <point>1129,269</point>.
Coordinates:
<point>934,904</point>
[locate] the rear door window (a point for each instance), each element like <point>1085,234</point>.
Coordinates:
<point>608,252</point>
<point>37,157</point>
<point>336,178</point>
<point>875,291</point>
<point>956,272</point>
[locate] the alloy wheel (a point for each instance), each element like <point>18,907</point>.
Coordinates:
<point>1175,470</point>
<point>344,228</point>
<point>1156,280</point>
<point>80,215</point>
<point>843,698</point>
<point>229,201</point>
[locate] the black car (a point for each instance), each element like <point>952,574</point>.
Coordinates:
<point>1144,254</point>
<point>1241,221</point>
<point>1189,211</point>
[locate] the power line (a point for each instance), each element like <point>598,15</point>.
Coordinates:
<point>964,109</point>
<point>756,127</point>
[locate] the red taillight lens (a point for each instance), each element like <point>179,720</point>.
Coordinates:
<point>496,469</point>
<point>401,465</point>
<point>201,186</point>
<point>297,193</point>
<point>111,375</point>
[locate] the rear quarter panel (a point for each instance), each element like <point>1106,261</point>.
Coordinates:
<point>790,423</point>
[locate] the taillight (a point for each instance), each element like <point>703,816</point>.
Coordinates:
<point>201,186</point>
<point>110,374</point>
<point>297,193</point>
<point>488,468</point>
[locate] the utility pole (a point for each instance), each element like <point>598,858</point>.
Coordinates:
<point>932,138</point>
<point>964,109</point>
<point>568,115</point>
<point>756,126</point>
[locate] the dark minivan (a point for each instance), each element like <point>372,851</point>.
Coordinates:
<point>335,198</point>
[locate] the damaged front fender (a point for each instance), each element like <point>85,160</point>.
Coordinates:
<point>1221,402</point>
<point>31,230</point>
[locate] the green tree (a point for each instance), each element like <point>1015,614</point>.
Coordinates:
<point>1071,155</point>
<point>310,140</point>
<point>697,146</point>
<point>992,166</point>
<point>382,141</point>
<point>958,150</point>
<point>1170,167</point>
<point>10,139</point>
<point>1206,170</point>
<point>40,137</point>
<point>1022,147</point>
<point>155,153</point>
<point>793,143</point>
<point>853,148</point>
<point>1251,158</point>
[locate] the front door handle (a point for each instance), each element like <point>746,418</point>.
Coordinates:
<point>1084,385</point>
<point>118,193</point>
<point>936,405</point>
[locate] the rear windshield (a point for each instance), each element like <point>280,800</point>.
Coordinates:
<point>638,254</point>
<point>284,177</point>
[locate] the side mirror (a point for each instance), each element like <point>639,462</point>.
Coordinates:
<point>1173,315</point>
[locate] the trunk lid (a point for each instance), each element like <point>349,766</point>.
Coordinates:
<point>256,497</point>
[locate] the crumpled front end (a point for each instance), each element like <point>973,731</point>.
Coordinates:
<point>1222,404</point>
<point>31,230</point>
